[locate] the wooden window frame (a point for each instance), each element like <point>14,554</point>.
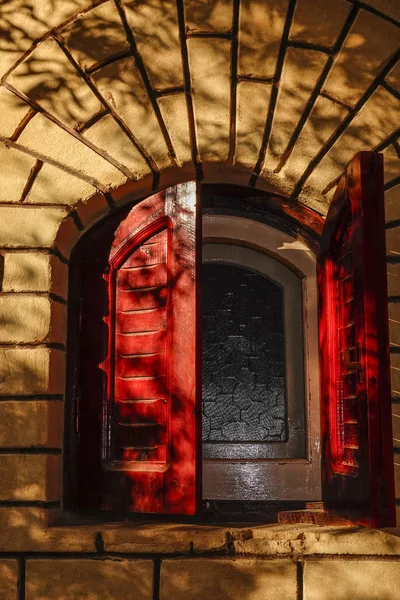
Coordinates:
<point>273,479</point>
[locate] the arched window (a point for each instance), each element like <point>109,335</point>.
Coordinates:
<point>140,419</point>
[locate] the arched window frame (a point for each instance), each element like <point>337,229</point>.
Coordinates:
<point>370,499</point>
<point>279,479</point>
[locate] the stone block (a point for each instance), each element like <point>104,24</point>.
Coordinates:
<point>155,27</point>
<point>46,14</point>
<point>286,540</point>
<point>391,164</point>
<point>122,85</point>
<point>355,580</point>
<point>393,277</point>
<point>397,471</point>
<point>395,386</point>
<point>394,313</point>
<point>174,112</point>
<point>392,204</point>
<point>107,134</point>
<point>34,272</point>
<point>30,477</point>
<point>260,33</point>
<point>366,130</point>
<point>32,423</point>
<point>27,529</point>
<point>210,64</point>
<point>164,538</point>
<point>324,119</point>
<point>96,35</point>
<point>222,579</point>
<point>387,7</point>
<point>252,109</point>
<point>393,79</point>
<point>363,55</point>
<point>26,318</point>
<point>318,21</point>
<point>111,579</point>
<point>49,79</point>
<point>12,111</point>
<point>394,331</point>
<point>28,371</point>
<point>295,89</point>
<point>56,186</point>
<point>88,213</point>
<point>396,444</point>
<point>15,170</point>
<point>49,140</point>
<point>22,226</point>
<point>211,17</point>
<point>9,571</point>
<point>393,240</point>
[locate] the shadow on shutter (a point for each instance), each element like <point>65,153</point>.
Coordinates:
<point>139,414</point>
<point>358,479</point>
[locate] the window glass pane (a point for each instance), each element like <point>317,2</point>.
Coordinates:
<point>243,356</point>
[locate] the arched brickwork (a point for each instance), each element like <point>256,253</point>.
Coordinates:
<point>106,101</point>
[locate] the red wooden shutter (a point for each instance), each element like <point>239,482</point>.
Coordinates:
<point>151,430</point>
<point>356,405</point>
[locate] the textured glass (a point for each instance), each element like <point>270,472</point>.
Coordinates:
<point>243,356</point>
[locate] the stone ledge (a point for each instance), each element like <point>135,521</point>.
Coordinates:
<point>25,530</point>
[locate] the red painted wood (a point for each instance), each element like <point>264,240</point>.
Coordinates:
<point>355,379</point>
<point>150,433</point>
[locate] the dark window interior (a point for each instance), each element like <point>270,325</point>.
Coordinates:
<point>243,356</point>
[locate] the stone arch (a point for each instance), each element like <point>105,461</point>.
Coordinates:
<point>106,101</point>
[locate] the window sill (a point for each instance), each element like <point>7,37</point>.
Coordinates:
<point>25,530</point>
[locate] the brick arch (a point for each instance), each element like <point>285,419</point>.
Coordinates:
<point>84,214</point>
<point>95,110</point>
<point>97,95</point>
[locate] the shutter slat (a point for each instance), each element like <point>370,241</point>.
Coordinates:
<point>354,350</point>
<point>151,430</point>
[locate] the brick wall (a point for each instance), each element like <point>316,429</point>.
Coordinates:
<point>102,102</point>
